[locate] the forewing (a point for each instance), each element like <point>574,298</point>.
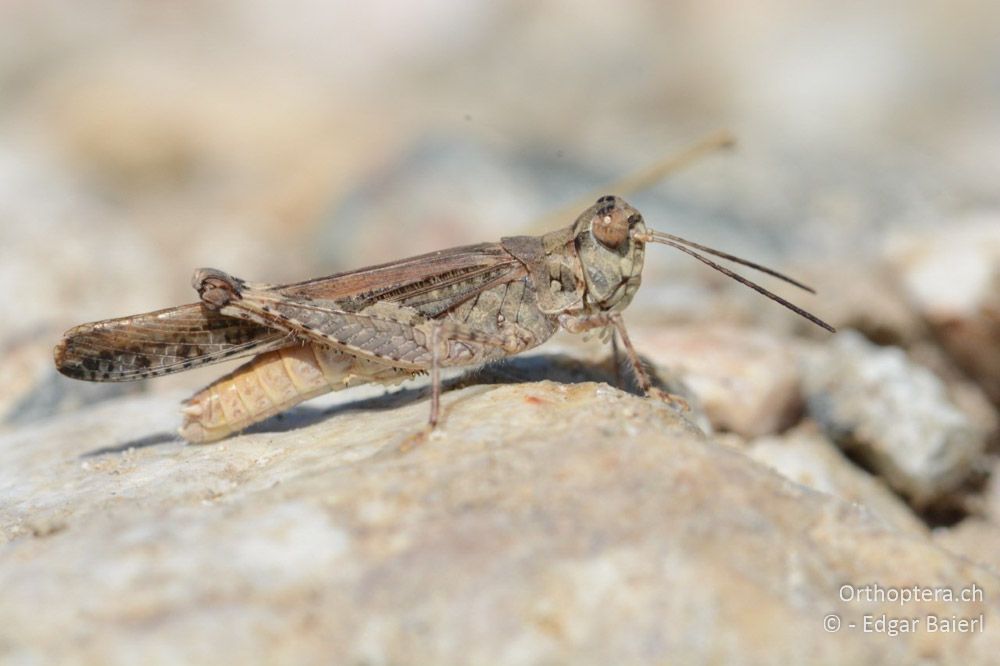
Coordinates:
<point>430,283</point>
<point>177,339</point>
<point>159,343</point>
<point>376,312</point>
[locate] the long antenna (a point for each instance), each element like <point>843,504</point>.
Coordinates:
<point>725,255</point>
<point>658,237</point>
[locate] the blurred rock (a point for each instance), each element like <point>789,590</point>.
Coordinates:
<point>805,456</point>
<point>580,358</point>
<point>975,539</point>
<point>60,252</point>
<point>891,413</point>
<point>31,389</point>
<point>862,296</point>
<point>989,506</point>
<point>442,192</point>
<point>746,380</point>
<point>294,148</point>
<point>952,275</point>
<point>542,523</point>
<point>963,392</point>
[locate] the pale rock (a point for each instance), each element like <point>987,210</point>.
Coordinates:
<point>441,193</point>
<point>746,380</point>
<point>542,523</point>
<point>893,413</point>
<point>963,392</point>
<point>989,501</point>
<point>32,389</point>
<point>952,275</point>
<point>976,539</point>
<point>569,358</point>
<point>863,296</point>
<point>806,456</point>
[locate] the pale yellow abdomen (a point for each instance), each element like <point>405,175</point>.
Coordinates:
<point>274,382</point>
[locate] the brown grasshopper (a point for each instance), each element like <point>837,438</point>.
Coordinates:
<point>463,306</point>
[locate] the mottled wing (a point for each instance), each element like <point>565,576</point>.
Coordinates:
<point>159,343</point>
<point>431,283</point>
<point>381,312</point>
<point>177,339</point>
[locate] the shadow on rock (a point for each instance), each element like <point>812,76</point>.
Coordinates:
<point>560,368</point>
<point>140,443</point>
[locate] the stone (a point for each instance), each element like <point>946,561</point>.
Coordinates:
<point>893,414</point>
<point>952,275</point>
<point>862,295</point>
<point>32,389</point>
<point>963,392</point>
<point>988,503</point>
<point>804,455</point>
<point>745,379</point>
<point>542,523</point>
<point>976,539</point>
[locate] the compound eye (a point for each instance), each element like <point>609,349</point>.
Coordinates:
<point>634,219</point>
<point>610,227</point>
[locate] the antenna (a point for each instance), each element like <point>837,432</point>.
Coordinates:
<point>682,245</point>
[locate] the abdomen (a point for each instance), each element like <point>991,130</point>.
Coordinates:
<point>273,382</point>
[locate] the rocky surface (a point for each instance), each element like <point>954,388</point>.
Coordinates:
<point>952,277</point>
<point>806,456</point>
<point>893,414</point>
<point>975,539</point>
<point>543,523</point>
<point>867,298</point>
<point>746,380</point>
<point>31,389</point>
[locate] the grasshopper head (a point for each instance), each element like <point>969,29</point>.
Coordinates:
<point>610,239</point>
<point>611,255</point>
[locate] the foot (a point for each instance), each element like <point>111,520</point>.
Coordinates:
<point>669,398</point>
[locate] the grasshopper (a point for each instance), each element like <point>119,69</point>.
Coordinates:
<point>465,306</point>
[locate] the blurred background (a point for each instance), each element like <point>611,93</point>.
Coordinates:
<point>282,141</point>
